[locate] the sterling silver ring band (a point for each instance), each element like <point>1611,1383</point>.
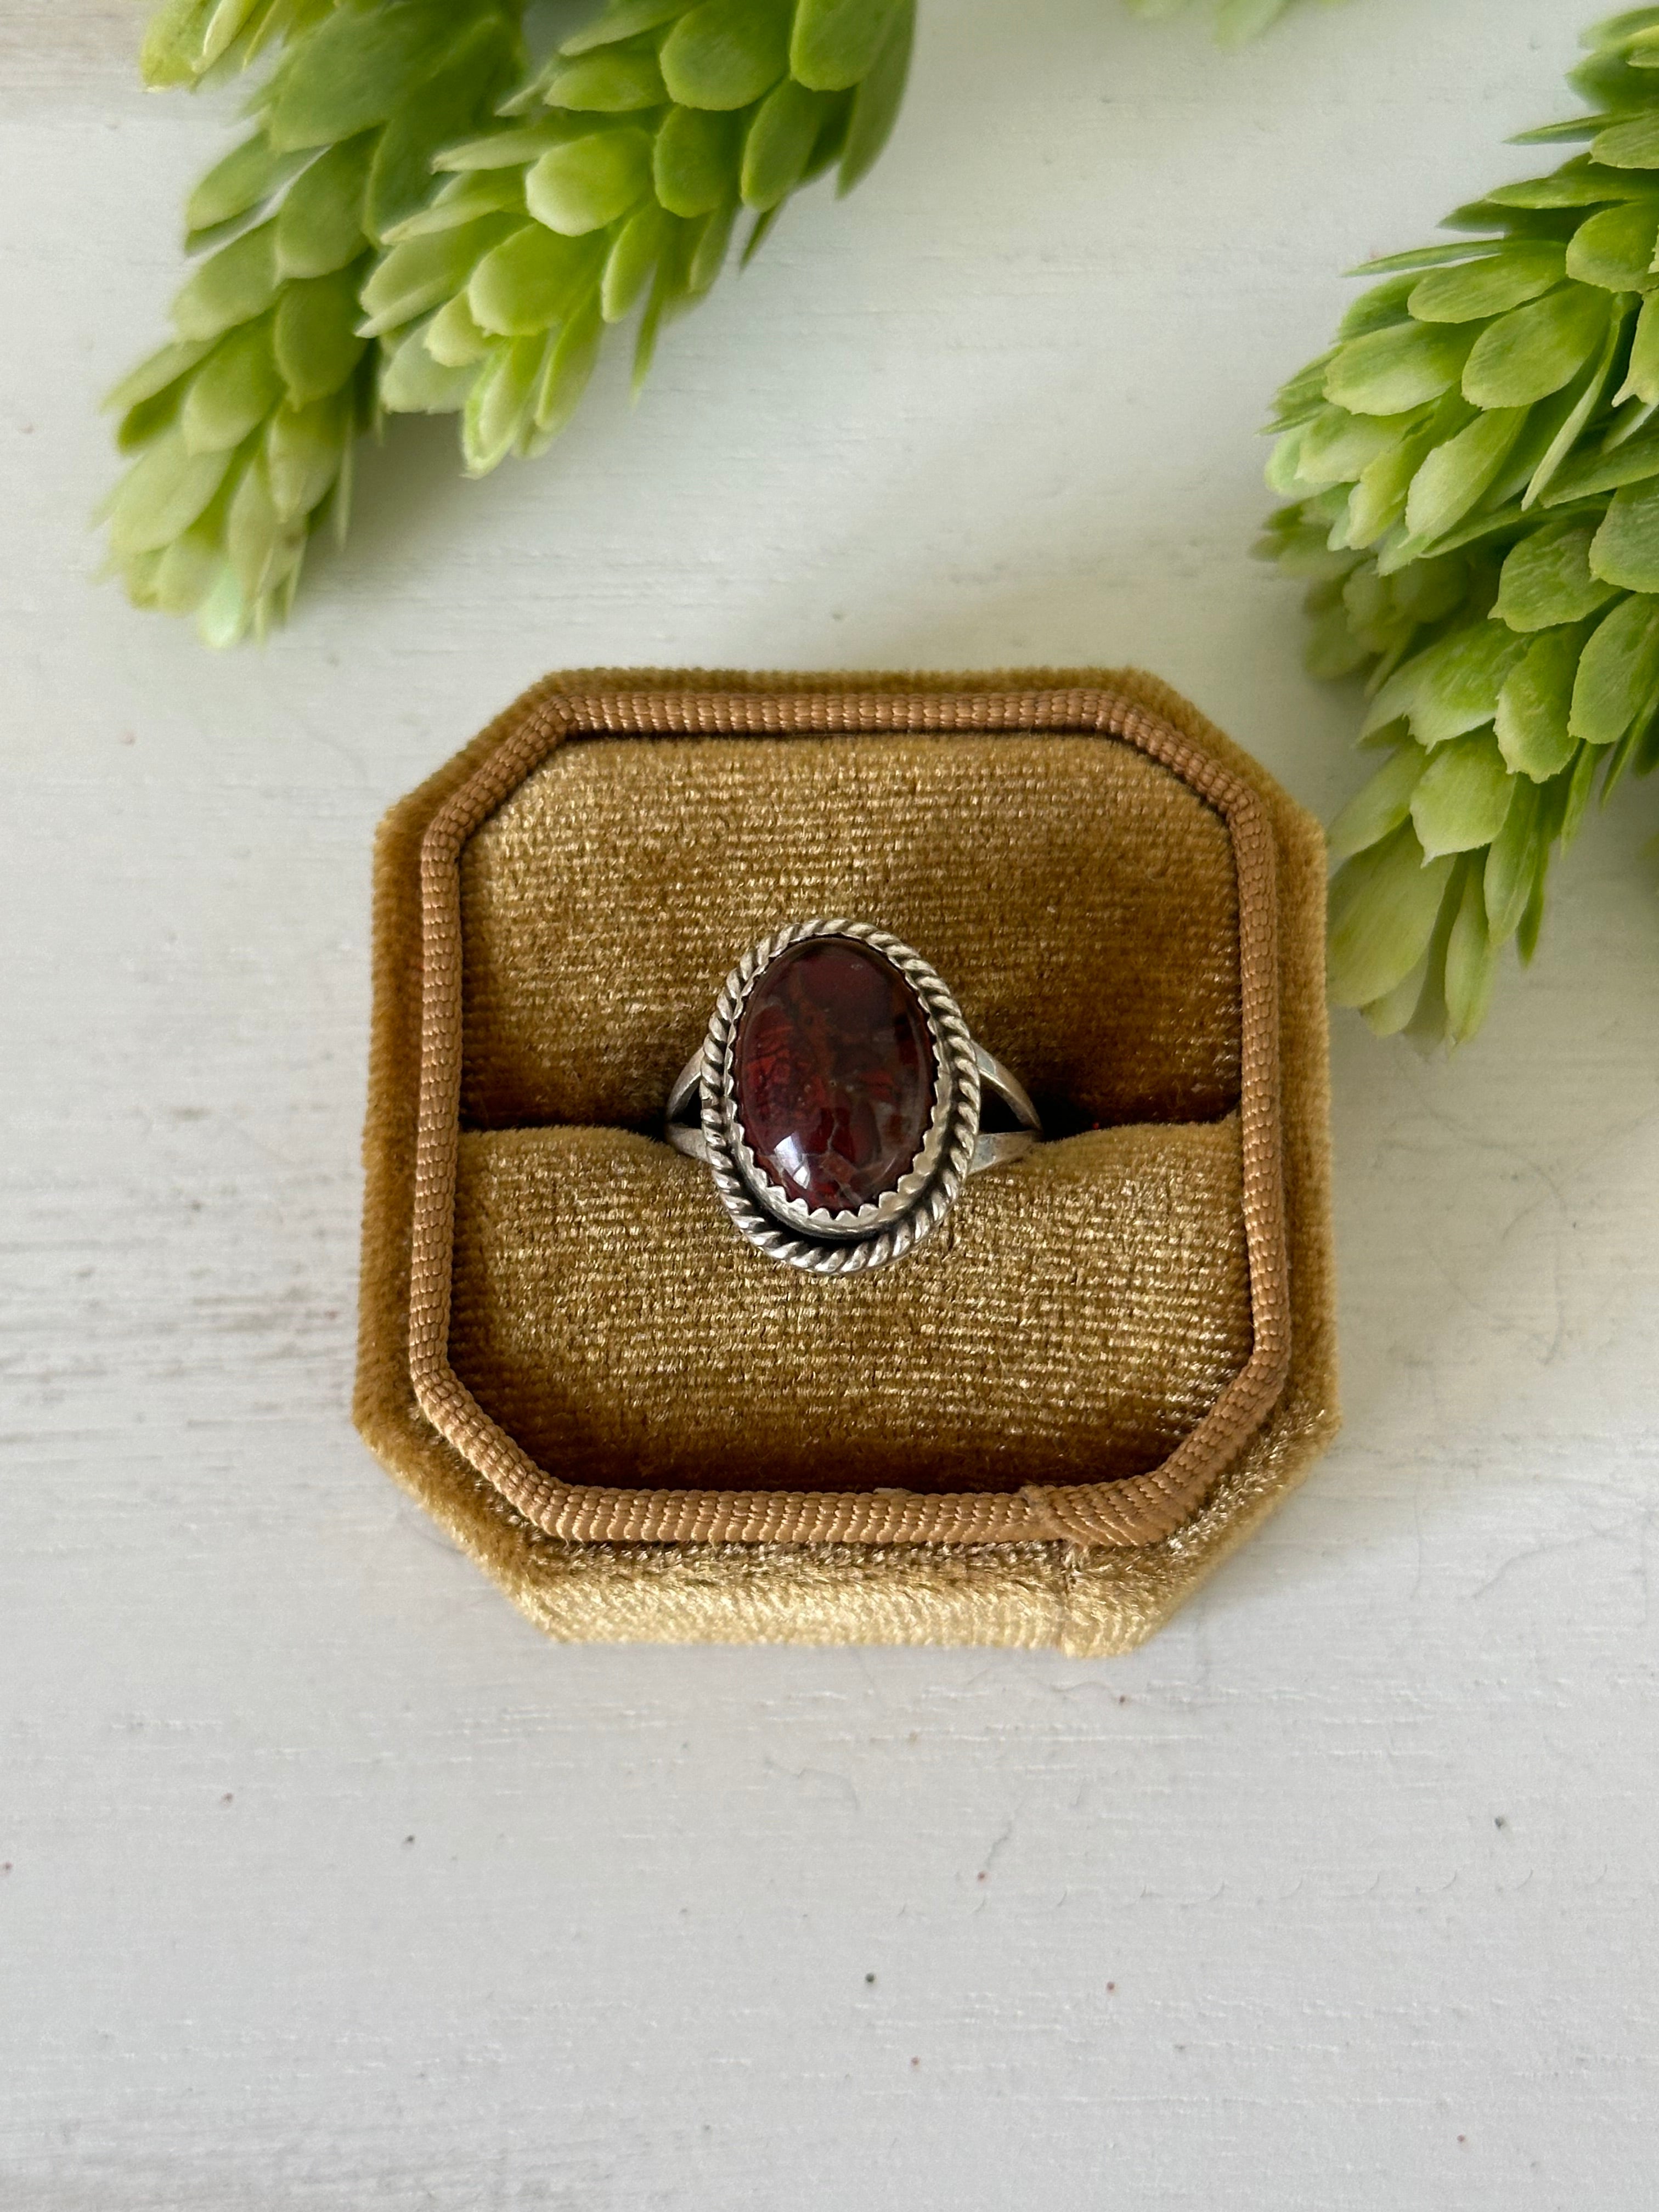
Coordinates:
<point>839,1101</point>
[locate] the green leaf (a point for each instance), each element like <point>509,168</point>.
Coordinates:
<point>1532,920</point>
<point>304,449</point>
<point>726,53</point>
<point>1451,688</point>
<point>319,225</point>
<point>1615,31</point>
<point>1631,145</point>
<point>1302,548</point>
<point>1384,633</point>
<point>242,28</point>
<point>1383,905</point>
<point>1553,803</point>
<point>835,43</point>
<point>222,617</point>
<point>780,142</point>
<point>1471,962</point>
<point>462,199</point>
<point>1428,1024</point>
<point>1576,405</point>
<point>499,404</point>
<point>162,494</point>
<point>234,285</point>
<point>1512,864</point>
<point>424,271</point>
<point>1337,447</point>
<point>1625,549</point>
<point>1283,462</point>
<point>695,159</point>
<point>1475,291</point>
<point>1397,368</point>
<point>1421,257</point>
<point>1387,1015</point>
<point>1432,589</point>
<point>1547,580</point>
<point>245,179</point>
<point>1614,249</point>
<point>316,343</point>
<point>624,18</point>
<point>668,292</point>
<point>1333,650</point>
<point>1574,129</point>
<point>452,337</point>
<point>233,390</point>
<point>532,280</point>
<point>1379,808</point>
<point>1303,397</point>
<point>171,53</point>
<point>188,571</point>
<point>710,238</point>
<point>1456,475</point>
<point>876,103</point>
<point>590,182</point>
<point>1618,672</point>
<point>150,418</point>
<point>564,375</point>
<point>474,73</point>
<point>354,68</point>
<point>1642,376</point>
<point>508,150</point>
<point>1533,707</point>
<point>1619,759</point>
<point>828,148</point>
<point>1378,623</point>
<point>633,257</point>
<point>1378,500</point>
<point>139,430</point>
<point>414,382</point>
<point>1378,309</point>
<point>1633,463</point>
<point>1463,796</point>
<point>261,546</point>
<point>618,80</point>
<point>154,374</point>
<point>1534,350</point>
<point>1581,782</point>
<point>1630,417</point>
<point>1579,184</point>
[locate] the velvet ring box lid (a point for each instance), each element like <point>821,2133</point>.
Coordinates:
<point>1050,1420</point>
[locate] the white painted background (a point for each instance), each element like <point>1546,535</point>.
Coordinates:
<point>327,1885</point>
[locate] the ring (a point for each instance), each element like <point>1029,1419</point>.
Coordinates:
<point>839,1101</point>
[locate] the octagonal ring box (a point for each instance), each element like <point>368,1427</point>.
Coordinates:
<point>1050,1421</point>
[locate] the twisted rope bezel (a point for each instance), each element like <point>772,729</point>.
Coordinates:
<point>811,1238</point>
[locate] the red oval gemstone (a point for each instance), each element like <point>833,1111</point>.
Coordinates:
<point>833,1069</point>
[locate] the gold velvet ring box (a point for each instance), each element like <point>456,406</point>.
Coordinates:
<point>1051,1420</point>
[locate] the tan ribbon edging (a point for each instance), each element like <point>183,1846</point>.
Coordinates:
<point>1139,1509</point>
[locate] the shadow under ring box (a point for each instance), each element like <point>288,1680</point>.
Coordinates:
<point>1048,1423</point>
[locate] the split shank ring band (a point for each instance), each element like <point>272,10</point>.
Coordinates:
<point>839,1101</point>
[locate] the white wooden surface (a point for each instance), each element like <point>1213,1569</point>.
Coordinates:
<point>326,1884</point>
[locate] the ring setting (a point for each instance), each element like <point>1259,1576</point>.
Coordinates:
<point>839,1100</point>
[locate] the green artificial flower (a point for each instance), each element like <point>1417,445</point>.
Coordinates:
<point>614,184</point>
<point>396,235</point>
<point>242,429</point>
<point>1473,473</point>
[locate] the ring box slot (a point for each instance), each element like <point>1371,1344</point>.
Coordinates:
<point>1080,1314</point>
